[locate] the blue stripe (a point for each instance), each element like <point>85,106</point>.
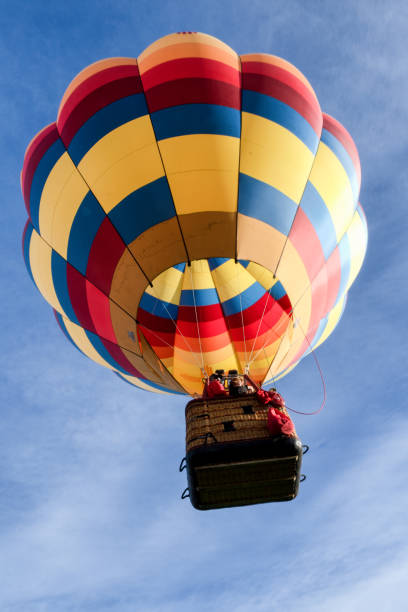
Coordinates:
<point>84,228</point>
<point>277,291</point>
<point>59,279</point>
<point>344,249</point>
<point>345,160</point>
<point>26,250</point>
<point>196,119</point>
<point>65,332</point>
<point>244,262</point>
<point>279,112</point>
<point>144,208</point>
<point>180,266</point>
<point>318,214</point>
<point>104,121</point>
<point>216,262</point>
<point>245,300</point>
<point>199,297</point>
<point>44,168</point>
<point>157,307</point>
<point>261,201</point>
<point>150,384</point>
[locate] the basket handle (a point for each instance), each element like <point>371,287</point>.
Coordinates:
<point>205,436</point>
<point>302,478</point>
<point>185,493</point>
<point>183,464</point>
<point>305,448</point>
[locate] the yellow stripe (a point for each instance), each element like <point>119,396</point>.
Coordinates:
<point>202,170</point>
<point>263,276</point>
<point>79,337</point>
<point>231,279</point>
<point>122,161</point>
<point>198,276</point>
<point>167,286</point>
<point>182,40</point>
<point>63,193</point>
<point>331,181</point>
<point>40,254</point>
<point>272,154</point>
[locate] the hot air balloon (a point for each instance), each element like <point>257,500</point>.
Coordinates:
<point>191,211</point>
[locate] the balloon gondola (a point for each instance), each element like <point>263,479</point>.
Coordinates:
<point>193,210</point>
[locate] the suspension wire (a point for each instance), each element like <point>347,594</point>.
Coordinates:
<point>203,370</point>
<point>175,325</point>
<point>259,327</point>
<point>242,314</point>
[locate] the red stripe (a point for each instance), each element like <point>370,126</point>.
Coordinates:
<point>333,266</point>
<point>78,109</point>
<point>193,91</point>
<point>306,242</point>
<point>77,294</point>
<point>339,131</point>
<point>212,312</point>
<point>252,313</point>
<point>155,323</point>
<point>158,338</point>
<point>190,68</point>
<point>115,351</point>
<point>36,150</point>
<point>207,329</point>
<point>286,94</point>
<point>106,251</point>
<point>99,309</point>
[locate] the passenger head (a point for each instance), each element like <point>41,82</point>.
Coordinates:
<point>237,381</point>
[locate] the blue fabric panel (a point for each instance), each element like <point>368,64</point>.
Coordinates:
<point>261,201</point>
<point>143,208</point>
<point>158,307</point>
<point>279,112</point>
<point>196,119</point>
<point>26,249</point>
<point>150,384</point>
<point>344,249</point>
<point>244,300</point>
<point>215,262</point>
<point>59,278</point>
<point>180,266</point>
<point>104,121</point>
<point>277,291</point>
<point>319,215</point>
<point>244,262</point>
<point>345,159</point>
<point>43,169</point>
<point>84,228</point>
<point>202,297</point>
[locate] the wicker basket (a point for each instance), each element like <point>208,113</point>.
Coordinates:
<point>231,458</point>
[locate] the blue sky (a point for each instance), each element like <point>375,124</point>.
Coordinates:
<point>90,515</point>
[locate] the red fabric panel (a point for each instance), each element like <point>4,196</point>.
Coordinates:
<point>305,240</point>
<point>95,93</point>
<point>99,309</point>
<point>253,313</point>
<point>106,250</point>
<point>158,324</point>
<point>190,68</point>
<point>35,151</point>
<point>115,351</point>
<point>285,87</point>
<point>193,91</point>
<point>333,267</point>
<point>204,313</point>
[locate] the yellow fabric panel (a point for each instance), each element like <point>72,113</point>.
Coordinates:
<point>143,384</point>
<point>209,234</point>
<point>294,277</point>
<point>274,155</point>
<point>202,170</point>
<point>198,276</point>
<point>61,197</point>
<point>263,276</point>
<point>333,319</point>
<point>90,71</point>
<point>331,181</point>
<point>79,337</point>
<point>231,279</point>
<point>357,243</point>
<point>40,254</point>
<point>122,161</point>
<point>128,284</point>
<point>167,286</point>
<point>259,242</point>
<point>184,44</point>
<point>280,63</point>
<point>159,248</point>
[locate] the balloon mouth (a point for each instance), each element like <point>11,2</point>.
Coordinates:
<point>216,314</point>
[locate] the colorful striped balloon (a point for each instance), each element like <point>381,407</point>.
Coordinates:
<point>193,210</point>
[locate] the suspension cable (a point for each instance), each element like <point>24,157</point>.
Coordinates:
<point>242,313</point>
<point>198,327</point>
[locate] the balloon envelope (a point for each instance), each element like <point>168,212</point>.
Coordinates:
<point>193,210</point>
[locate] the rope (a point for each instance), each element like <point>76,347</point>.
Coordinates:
<point>198,327</point>
<point>242,315</point>
<point>259,327</point>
